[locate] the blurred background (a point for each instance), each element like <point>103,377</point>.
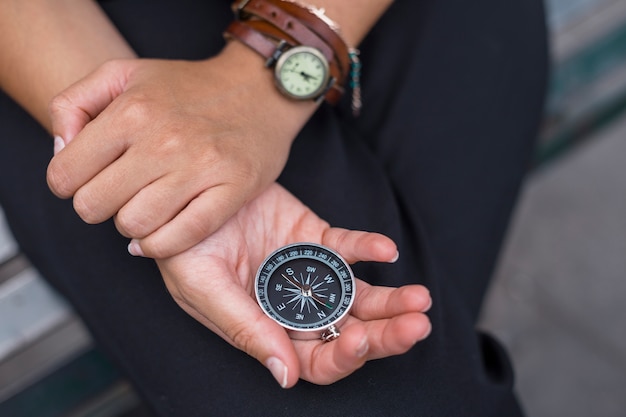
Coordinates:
<point>556,299</point>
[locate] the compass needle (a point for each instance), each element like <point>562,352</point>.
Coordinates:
<point>295,284</point>
<point>322,302</point>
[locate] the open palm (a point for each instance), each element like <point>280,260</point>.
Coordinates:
<point>213,282</point>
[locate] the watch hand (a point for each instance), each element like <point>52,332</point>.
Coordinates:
<point>306,76</point>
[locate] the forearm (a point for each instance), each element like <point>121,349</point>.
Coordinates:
<point>354,17</point>
<point>47,45</point>
<point>200,137</point>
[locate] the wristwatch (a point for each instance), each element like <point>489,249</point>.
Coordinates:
<point>300,72</point>
<point>310,57</point>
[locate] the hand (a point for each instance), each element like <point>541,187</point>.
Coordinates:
<point>171,148</point>
<point>213,282</point>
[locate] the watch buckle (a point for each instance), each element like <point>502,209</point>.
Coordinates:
<point>238,8</point>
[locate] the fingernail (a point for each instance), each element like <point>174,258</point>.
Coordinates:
<point>363,347</point>
<point>424,335</point>
<point>395,258</point>
<point>278,370</point>
<point>428,332</point>
<point>59,144</point>
<point>134,248</point>
<point>430,304</point>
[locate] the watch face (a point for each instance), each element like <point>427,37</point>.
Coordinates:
<point>305,287</point>
<point>302,72</point>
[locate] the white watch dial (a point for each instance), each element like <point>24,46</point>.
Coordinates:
<point>302,72</point>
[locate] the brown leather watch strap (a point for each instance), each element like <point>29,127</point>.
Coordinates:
<point>255,40</point>
<point>274,13</point>
<point>322,26</point>
<point>252,37</point>
<point>271,31</point>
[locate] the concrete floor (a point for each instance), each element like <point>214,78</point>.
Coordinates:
<point>557,300</point>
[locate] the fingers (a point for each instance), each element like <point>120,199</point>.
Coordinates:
<point>139,211</point>
<point>79,163</point>
<point>357,246</point>
<point>375,303</point>
<point>397,335</point>
<point>325,363</point>
<point>222,305</point>
<point>384,322</point>
<point>70,113</point>
<point>199,219</point>
<point>169,212</point>
<point>71,110</point>
<point>394,317</point>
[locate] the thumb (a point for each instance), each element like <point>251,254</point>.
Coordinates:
<point>74,107</point>
<point>249,329</point>
<point>230,312</point>
<point>357,246</point>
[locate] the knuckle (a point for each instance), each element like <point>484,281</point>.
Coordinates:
<point>153,248</point>
<point>58,103</point>
<point>201,228</point>
<point>242,335</point>
<point>59,181</point>
<point>170,144</point>
<point>112,65</point>
<point>135,110</point>
<point>197,227</point>
<point>131,225</point>
<point>197,153</point>
<point>87,208</point>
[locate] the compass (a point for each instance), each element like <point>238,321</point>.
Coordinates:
<point>306,288</point>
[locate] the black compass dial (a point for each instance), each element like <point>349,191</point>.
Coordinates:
<point>305,287</point>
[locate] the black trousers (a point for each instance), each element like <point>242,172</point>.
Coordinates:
<point>452,100</point>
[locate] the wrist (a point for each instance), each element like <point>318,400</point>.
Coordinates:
<point>246,69</point>
<point>356,17</point>
<point>250,94</point>
<point>311,58</point>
